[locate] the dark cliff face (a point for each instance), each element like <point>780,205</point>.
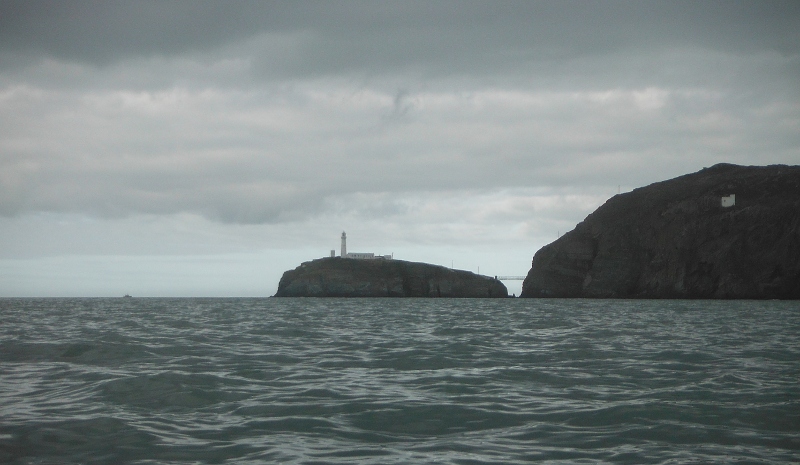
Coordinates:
<point>346,277</point>
<point>674,239</point>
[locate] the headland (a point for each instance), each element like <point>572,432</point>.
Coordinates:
<point>725,232</point>
<point>351,277</point>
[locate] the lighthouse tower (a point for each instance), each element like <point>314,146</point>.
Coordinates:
<point>344,245</point>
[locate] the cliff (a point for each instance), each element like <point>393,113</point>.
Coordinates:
<point>346,277</point>
<point>674,239</point>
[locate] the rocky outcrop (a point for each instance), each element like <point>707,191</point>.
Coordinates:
<point>346,277</point>
<point>675,239</point>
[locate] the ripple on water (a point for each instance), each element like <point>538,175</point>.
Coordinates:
<point>398,381</point>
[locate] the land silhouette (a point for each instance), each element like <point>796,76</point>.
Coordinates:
<point>725,232</point>
<point>350,277</point>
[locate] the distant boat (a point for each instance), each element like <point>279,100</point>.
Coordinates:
<point>127,296</point>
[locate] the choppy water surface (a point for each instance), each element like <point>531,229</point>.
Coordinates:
<point>398,381</point>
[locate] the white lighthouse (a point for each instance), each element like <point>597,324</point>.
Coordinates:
<point>360,255</point>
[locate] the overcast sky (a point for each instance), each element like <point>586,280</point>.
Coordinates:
<point>201,149</point>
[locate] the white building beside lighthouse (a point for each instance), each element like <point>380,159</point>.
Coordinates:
<point>360,255</point>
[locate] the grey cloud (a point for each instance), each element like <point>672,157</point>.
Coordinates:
<point>105,31</point>
<point>541,44</point>
<point>259,112</point>
<point>276,157</point>
<point>346,36</point>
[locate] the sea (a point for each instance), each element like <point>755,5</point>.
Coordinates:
<point>391,381</point>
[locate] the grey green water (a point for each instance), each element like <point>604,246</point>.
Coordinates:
<point>374,381</point>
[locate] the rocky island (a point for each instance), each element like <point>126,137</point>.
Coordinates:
<point>349,277</point>
<point>725,232</point>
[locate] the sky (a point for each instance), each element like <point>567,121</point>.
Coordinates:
<point>198,148</point>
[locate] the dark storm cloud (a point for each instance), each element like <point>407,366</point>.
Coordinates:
<point>440,37</point>
<point>104,31</point>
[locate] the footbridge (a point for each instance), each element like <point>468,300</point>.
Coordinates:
<point>510,278</point>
